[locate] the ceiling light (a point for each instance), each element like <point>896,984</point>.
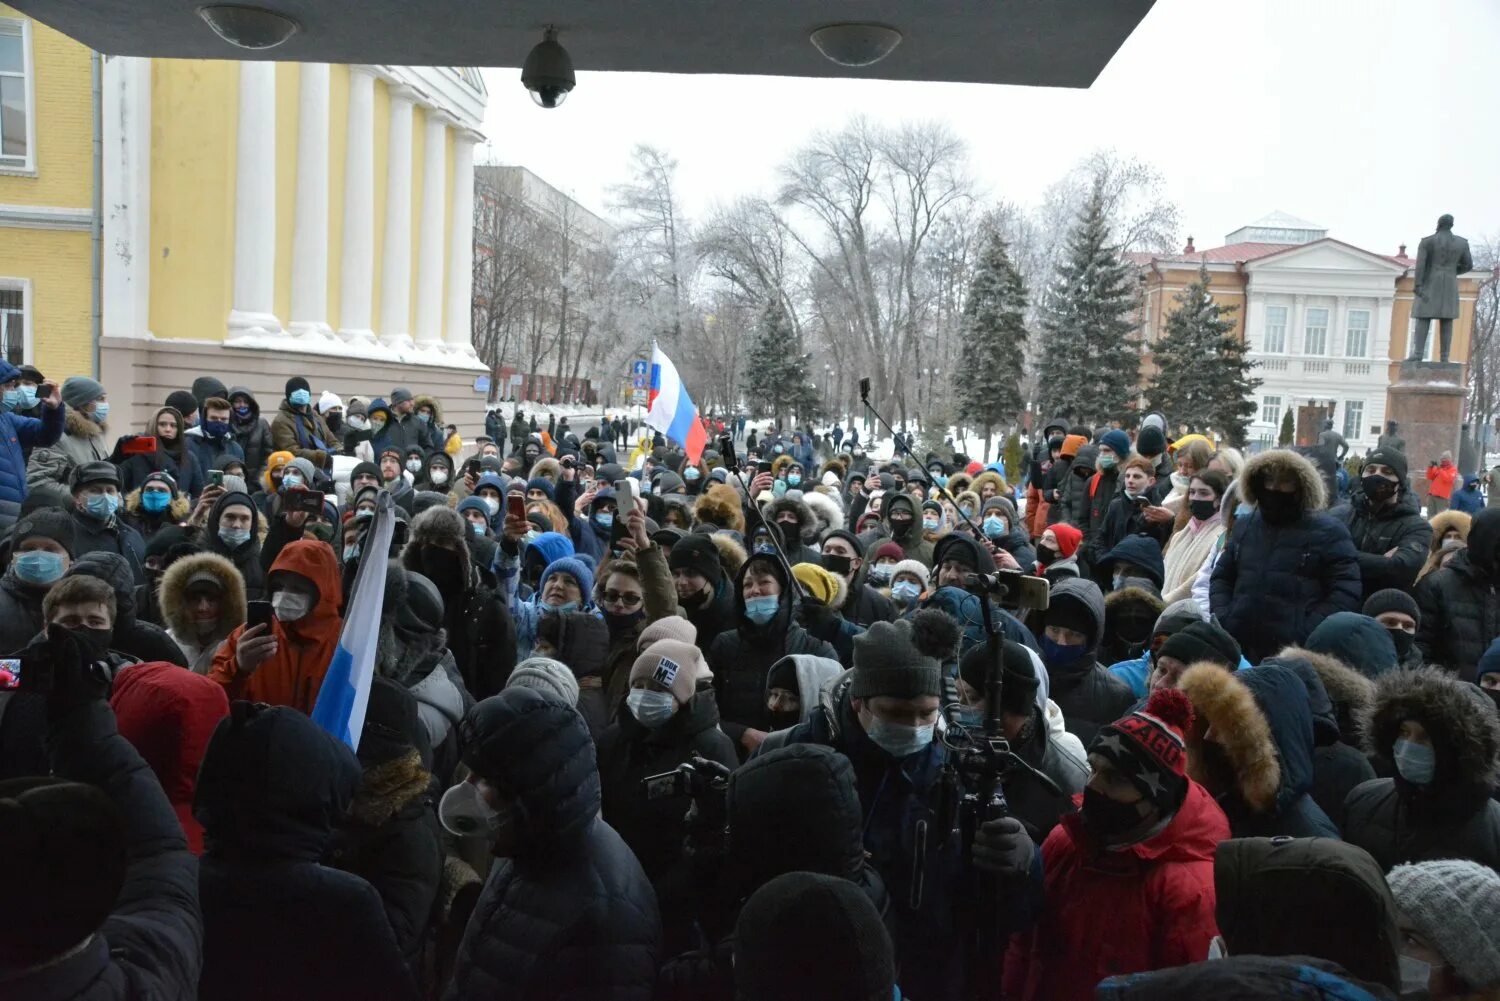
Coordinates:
<point>855,44</point>
<point>248,27</point>
<point>548,72</point>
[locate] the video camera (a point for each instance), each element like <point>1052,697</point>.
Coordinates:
<point>707,783</point>
<point>1013,589</point>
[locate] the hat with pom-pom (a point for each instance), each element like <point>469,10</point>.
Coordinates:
<point>1147,747</point>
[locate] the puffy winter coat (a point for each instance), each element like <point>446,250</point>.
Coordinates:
<point>245,557</point>
<point>16,435</point>
<point>82,441</point>
<point>570,916</point>
<point>20,612</point>
<point>305,435</point>
<point>277,923</point>
<point>742,657</point>
<point>1338,762</point>
<point>1088,695</point>
<point>1275,583</point>
<point>1459,603</point>
<point>1155,898</point>
<point>210,452</point>
<point>150,945</point>
<point>183,467</point>
<point>252,434</point>
<point>112,535</point>
<point>1377,531</point>
<point>1286,703</point>
<point>139,640</point>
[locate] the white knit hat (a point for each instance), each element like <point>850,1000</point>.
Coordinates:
<point>1455,904</point>
<point>912,567</point>
<point>328,401</point>
<point>551,678</point>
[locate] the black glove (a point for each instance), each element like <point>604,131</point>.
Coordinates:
<point>75,663</point>
<point>1002,847</point>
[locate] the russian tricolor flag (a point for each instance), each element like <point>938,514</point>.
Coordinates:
<point>671,409</point>
<point>345,694</point>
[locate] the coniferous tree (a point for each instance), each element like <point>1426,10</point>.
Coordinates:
<point>1288,429</point>
<point>1203,375</point>
<point>988,385</point>
<point>776,368</point>
<point>1089,369</point>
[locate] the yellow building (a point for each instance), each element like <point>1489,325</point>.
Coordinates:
<point>252,221</point>
<point>47,260</point>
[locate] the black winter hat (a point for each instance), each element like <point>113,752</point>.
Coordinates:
<point>1394,458</point>
<point>849,959</point>
<point>699,555</point>
<point>206,387</point>
<point>887,662</point>
<point>1018,680</point>
<point>46,523</point>
<point>422,611</point>
<point>182,401</point>
<point>1199,641</point>
<point>1150,442</point>
<point>847,536</point>
<point>1392,600</point>
<point>95,472</point>
<point>364,468</point>
<point>295,383</point>
<point>391,722</point>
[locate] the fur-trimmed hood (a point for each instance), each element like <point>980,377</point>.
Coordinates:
<point>176,512</point>
<point>990,476</point>
<point>807,523</point>
<point>1224,704</point>
<point>1460,721</point>
<point>732,555</point>
<point>1279,464</point>
<point>719,505</point>
<point>1445,521</point>
<point>173,599</point>
<point>1352,694</point>
<point>826,511</point>
<point>418,402</point>
<point>547,468</point>
<point>79,426</point>
<point>781,462</point>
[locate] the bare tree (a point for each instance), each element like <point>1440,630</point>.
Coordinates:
<point>654,236</point>
<point>1484,347</point>
<point>504,276</point>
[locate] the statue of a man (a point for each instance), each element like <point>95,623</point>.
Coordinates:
<point>1441,258</point>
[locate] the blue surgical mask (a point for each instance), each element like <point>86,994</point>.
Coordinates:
<point>778,449</point>
<point>880,574</point>
<point>531,536</point>
<point>102,505</point>
<point>605,519</point>
<point>897,739</point>
<point>778,488</point>
<point>291,481</point>
<point>970,716</point>
<point>156,501</point>
<point>794,479</point>
<point>351,552</point>
<point>930,524</point>
<point>763,609</point>
<point>101,411</point>
<point>1417,763</point>
<point>691,473</point>
<point>906,591</point>
<point>14,400</point>
<point>39,567</point>
<point>651,709</point>
<point>476,528</point>
<point>1056,654</point>
<point>234,538</point>
<point>300,397</point>
<point>994,527</point>
<point>967,511</point>
<point>563,609</point>
<point>425,418</point>
<point>940,479</point>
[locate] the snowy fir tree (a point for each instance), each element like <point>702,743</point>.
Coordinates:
<point>988,385</point>
<point>1089,368</point>
<point>776,379</point>
<point>1203,375</point>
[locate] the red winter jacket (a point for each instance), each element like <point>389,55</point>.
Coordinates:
<point>1145,907</point>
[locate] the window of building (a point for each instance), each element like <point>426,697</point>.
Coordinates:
<point>1357,335</point>
<point>13,323</point>
<point>1354,417</point>
<point>1315,332</point>
<point>1275,329</point>
<point>15,96</point>
<point>1270,410</point>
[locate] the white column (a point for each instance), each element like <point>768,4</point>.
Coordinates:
<point>458,335</point>
<point>253,306</point>
<point>357,269</point>
<point>429,330</point>
<point>310,229</point>
<point>126,196</point>
<point>395,278</point>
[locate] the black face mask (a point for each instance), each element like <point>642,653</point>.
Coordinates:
<point>1046,555</point>
<point>334,421</point>
<point>839,565</point>
<point>1378,488</point>
<point>1280,508</point>
<point>1203,509</point>
<point>783,718</point>
<point>619,624</point>
<point>1494,694</point>
<point>1054,444</point>
<point>1107,818</point>
<point>1403,641</point>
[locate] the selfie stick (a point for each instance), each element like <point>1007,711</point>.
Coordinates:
<point>726,450</point>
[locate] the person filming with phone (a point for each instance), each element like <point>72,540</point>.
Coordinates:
<point>21,435</point>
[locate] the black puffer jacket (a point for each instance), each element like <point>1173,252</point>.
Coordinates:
<point>1451,817</point>
<point>1275,583</point>
<point>654,829</point>
<point>114,535</point>
<point>150,946</point>
<point>1376,532</point>
<point>1088,695</point>
<point>742,657</point>
<point>20,612</point>
<point>1459,603</point>
<point>1338,763</point>
<point>276,923</point>
<point>246,557</point>
<point>252,433</point>
<point>571,916</point>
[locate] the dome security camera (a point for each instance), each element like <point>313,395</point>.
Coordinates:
<point>548,72</point>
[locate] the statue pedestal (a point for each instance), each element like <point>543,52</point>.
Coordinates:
<point>1427,401</point>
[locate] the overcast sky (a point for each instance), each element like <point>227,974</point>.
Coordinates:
<point>1369,117</point>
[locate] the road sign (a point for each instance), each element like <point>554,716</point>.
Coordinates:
<point>640,368</point>
<point>482,384</point>
<point>638,382</point>
<point>638,398</point>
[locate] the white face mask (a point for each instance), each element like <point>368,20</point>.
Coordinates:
<point>290,606</point>
<point>438,476</point>
<point>464,813</point>
<point>492,505</point>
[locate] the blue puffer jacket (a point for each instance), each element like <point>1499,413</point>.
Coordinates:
<point>1283,698</point>
<point>18,435</point>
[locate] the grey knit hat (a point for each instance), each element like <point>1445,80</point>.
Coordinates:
<point>886,662</point>
<point>79,391</point>
<point>1455,904</point>
<point>551,678</point>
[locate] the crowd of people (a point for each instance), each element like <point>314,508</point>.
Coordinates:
<point>781,721</point>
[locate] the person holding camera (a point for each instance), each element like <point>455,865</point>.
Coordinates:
<point>883,716</point>
<point>21,434</point>
<point>100,894</point>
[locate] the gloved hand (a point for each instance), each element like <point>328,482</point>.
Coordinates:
<point>1002,847</point>
<point>74,662</point>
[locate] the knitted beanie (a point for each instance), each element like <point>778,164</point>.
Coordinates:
<point>328,400</point>
<point>887,663</point>
<point>575,568</point>
<point>46,523</point>
<point>888,550</point>
<point>1394,458</point>
<point>295,383</point>
<point>182,401</point>
<point>552,678</point>
<point>671,663</point>
<point>544,485</point>
<point>1455,904</point>
<point>1150,441</point>
<point>1392,600</point>
<point>1178,615</point>
<point>850,958</point>
<point>1146,746</point>
<point>1202,641</point>
<point>1068,538</point>
<point>821,586</point>
<point>1118,442</point>
<point>79,391</point>
<point>913,567</point>
<point>697,554</point>
<point>400,395</point>
<point>673,627</point>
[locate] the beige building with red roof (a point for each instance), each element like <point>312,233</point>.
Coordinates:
<point>1327,322</point>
